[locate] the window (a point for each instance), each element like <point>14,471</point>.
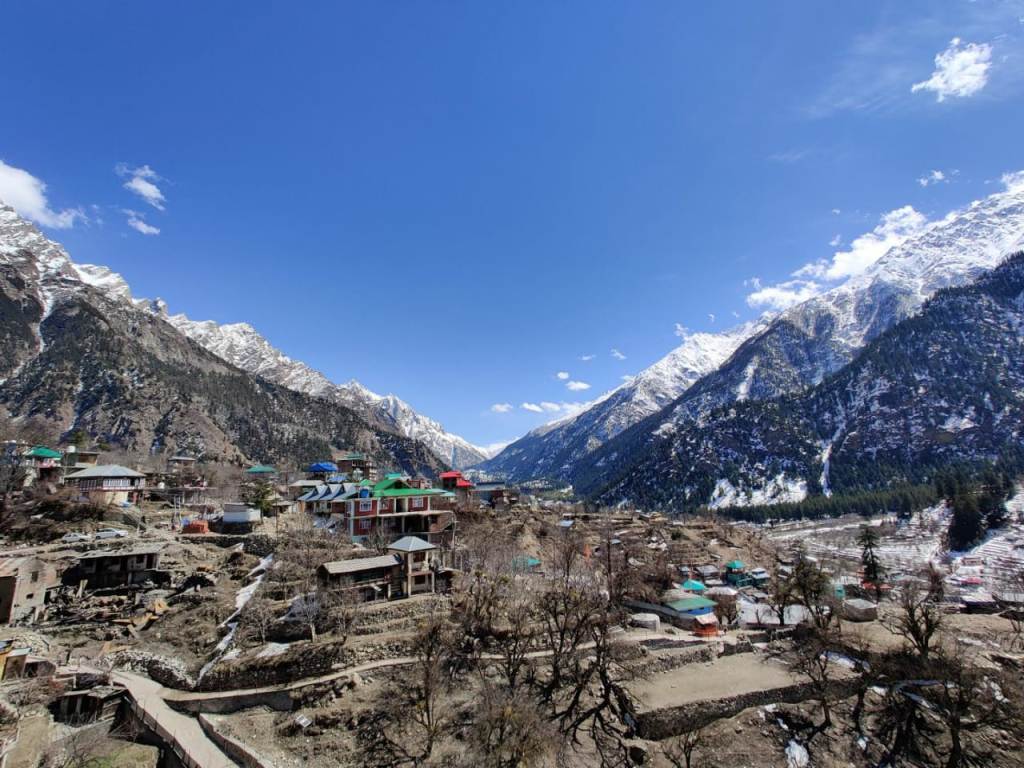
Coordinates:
<point>364,525</point>
<point>35,576</point>
<point>417,502</point>
<point>365,506</point>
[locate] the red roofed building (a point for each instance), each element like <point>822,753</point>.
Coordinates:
<point>454,481</point>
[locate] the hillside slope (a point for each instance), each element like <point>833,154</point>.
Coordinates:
<point>78,353</point>
<point>945,385</point>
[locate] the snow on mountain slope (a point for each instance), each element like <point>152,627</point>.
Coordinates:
<point>815,338</point>
<point>812,340</point>
<point>551,450</point>
<point>242,345</point>
<point>25,248</point>
<point>797,348</point>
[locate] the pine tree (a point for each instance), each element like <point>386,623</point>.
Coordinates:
<point>868,541</point>
<point>968,524</point>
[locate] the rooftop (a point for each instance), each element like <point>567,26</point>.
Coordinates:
<point>151,549</point>
<point>42,452</point>
<point>411,544</point>
<point>105,470</point>
<point>340,567</point>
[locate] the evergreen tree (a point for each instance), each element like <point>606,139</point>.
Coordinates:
<point>968,524</point>
<point>868,541</point>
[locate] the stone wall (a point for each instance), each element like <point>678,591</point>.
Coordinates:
<point>298,662</point>
<point>259,544</point>
<point>672,721</point>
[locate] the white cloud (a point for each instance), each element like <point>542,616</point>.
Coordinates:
<point>682,331</point>
<point>894,228</point>
<point>27,195</point>
<point>501,407</point>
<point>547,405</point>
<point>587,358</point>
<point>960,70</point>
<point>934,177</point>
<point>142,184</point>
<point>562,375</point>
<point>1014,182</point>
<point>711,317</point>
<point>836,241</point>
<point>836,211</point>
<point>782,295</point>
<point>576,386</point>
<point>617,355</point>
<point>533,407</point>
<point>140,225</point>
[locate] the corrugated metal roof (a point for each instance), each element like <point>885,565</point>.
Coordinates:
<point>105,470</point>
<point>42,452</point>
<point>339,567</point>
<point>411,544</point>
<point>150,550</point>
<point>691,604</point>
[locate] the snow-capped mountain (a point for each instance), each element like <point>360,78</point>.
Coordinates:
<point>797,348</point>
<point>77,353</point>
<point>812,340</point>
<point>242,345</point>
<point>550,451</point>
<point>941,387</point>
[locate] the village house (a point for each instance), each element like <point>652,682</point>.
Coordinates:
<point>391,508</point>
<point>102,569</point>
<point>356,465</point>
<point>263,472</point>
<point>495,494</point>
<point>239,517</point>
<point>43,464</point>
<point>108,484</point>
<point>182,466</point>
<point>76,458</point>
<point>24,582</point>
<point>410,567</point>
<point>181,485</point>
<point>455,483</point>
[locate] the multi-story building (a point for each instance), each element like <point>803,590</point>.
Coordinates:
<point>108,484</point>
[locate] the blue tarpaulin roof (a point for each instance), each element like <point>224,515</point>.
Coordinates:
<point>323,466</point>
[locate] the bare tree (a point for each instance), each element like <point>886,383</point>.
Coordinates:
<point>679,751</point>
<point>813,657</point>
<point>727,609</point>
<point>257,618</point>
<point>1014,585</point>
<point>918,620</point>
<point>341,611</point>
<point>307,608</point>
<point>508,730</point>
<point>414,719</point>
<point>967,701</point>
<point>813,589</point>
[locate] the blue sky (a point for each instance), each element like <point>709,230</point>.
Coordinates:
<point>457,201</point>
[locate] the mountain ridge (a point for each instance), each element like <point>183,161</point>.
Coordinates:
<point>796,347</point>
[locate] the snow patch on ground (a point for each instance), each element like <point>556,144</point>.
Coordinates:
<point>779,490</point>
<point>796,755</point>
